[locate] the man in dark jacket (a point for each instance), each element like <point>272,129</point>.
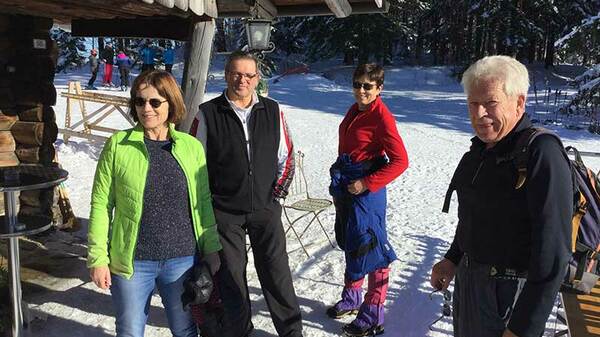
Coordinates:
<point>93,60</point>
<point>512,242</point>
<point>250,166</point>
<point>108,57</point>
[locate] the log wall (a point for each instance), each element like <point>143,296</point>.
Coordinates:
<point>28,127</point>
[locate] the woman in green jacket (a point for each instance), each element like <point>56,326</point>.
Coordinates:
<point>151,214</point>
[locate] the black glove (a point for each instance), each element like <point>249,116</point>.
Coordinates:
<point>279,192</point>
<point>198,287</point>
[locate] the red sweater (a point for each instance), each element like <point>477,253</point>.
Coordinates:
<point>371,133</point>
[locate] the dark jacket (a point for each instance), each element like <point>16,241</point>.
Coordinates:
<point>237,183</point>
<point>527,229</point>
<point>93,60</point>
<point>108,55</point>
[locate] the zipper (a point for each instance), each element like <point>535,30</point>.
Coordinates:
<point>183,168</point>
<point>146,155</point>
<point>477,172</point>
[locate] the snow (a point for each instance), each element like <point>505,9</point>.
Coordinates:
<point>584,23</point>
<point>430,110</point>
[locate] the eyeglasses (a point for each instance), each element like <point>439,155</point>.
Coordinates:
<point>154,102</point>
<point>446,305</point>
<point>366,86</point>
<point>237,76</point>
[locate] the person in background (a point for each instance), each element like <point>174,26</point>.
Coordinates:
<point>151,217</point>
<point>93,61</point>
<point>124,64</point>
<point>250,166</point>
<point>147,54</point>
<point>169,58</point>
<point>371,154</point>
<point>512,243</point>
<point>108,56</point>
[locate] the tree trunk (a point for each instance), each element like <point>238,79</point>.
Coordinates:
<point>549,57</point>
<point>100,44</point>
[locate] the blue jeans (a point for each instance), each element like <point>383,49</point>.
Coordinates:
<point>131,297</point>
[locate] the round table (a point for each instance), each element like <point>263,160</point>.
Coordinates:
<point>12,180</point>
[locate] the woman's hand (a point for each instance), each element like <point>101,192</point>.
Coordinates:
<point>356,187</point>
<point>101,277</point>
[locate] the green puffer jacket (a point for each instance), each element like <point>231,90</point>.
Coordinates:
<point>119,186</point>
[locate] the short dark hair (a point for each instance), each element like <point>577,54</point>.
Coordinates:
<point>166,86</point>
<point>240,55</point>
<point>372,70</point>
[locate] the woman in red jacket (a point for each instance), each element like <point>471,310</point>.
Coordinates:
<point>371,155</point>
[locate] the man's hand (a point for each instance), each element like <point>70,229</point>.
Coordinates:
<point>442,274</point>
<point>356,187</point>
<point>279,192</point>
<point>101,277</point>
<point>508,333</point>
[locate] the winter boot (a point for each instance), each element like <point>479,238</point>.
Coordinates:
<point>351,299</point>
<point>368,322</point>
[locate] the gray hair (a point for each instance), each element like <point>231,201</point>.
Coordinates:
<point>512,73</point>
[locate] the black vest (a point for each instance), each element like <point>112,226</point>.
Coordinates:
<point>237,183</point>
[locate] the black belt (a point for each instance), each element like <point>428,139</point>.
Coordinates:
<point>495,271</point>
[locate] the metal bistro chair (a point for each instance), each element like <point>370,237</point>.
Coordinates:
<point>299,199</point>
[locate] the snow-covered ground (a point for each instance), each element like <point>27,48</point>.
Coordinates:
<point>431,117</point>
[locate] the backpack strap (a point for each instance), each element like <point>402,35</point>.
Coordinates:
<point>452,186</point>
<point>520,153</point>
<point>449,192</point>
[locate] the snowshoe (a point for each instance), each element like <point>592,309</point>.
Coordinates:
<point>353,330</point>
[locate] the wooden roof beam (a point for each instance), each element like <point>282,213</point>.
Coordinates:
<point>168,27</point>
<point>262,9</point>
<point>339,8</point>
<point>322,9</point>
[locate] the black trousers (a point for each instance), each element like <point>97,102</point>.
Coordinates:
<point>481,304</point>
<point>93,78</point>
<point>271,261</point>
<point>124,72</point>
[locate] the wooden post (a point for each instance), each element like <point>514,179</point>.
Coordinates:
<point>196,69</point>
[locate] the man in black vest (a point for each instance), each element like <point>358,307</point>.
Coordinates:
<point>513,239</point>
<point>250,165</point>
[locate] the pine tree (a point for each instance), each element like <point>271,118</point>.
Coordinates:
<point>71,49</point>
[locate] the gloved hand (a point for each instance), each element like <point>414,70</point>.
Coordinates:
<point>279,192</point>
<point>198,287</point>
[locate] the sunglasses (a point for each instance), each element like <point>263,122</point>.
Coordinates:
<point>154,102</point>
<point>236,76</point>
<point>366,86</point>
